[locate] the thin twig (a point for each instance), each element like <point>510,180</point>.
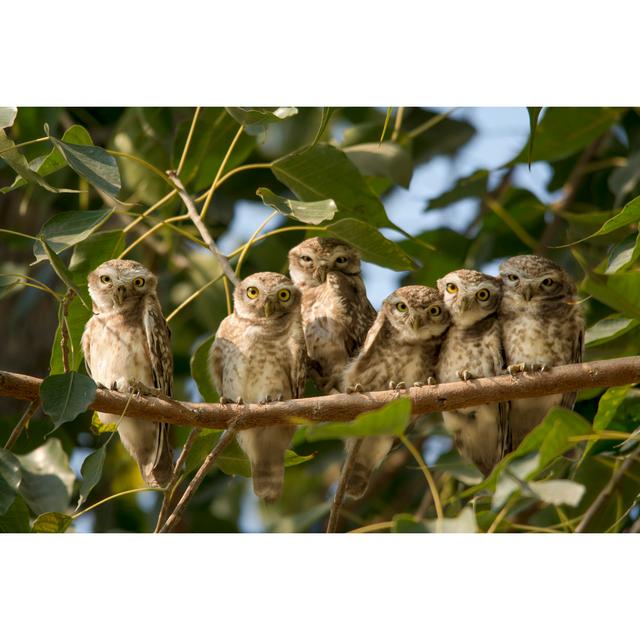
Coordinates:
<point>605,494</point>
<point>64,328</point>
<point>398,124</point>
<point>175,479</point>
<point>345,476</point>
<point>429,399</point>
<point>202,229</point>
<point>32,407</point>
<point>221,445</point>
<point>187,144</point>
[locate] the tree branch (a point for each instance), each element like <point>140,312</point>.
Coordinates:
<point>429,399</point>
<point>202,228</point>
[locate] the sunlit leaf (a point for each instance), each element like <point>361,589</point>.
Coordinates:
<point>609,328</point>
<point>10,476</point>
<point>254,119</point>
<point>51,522</point>
<point>307,212</point>
<point>464,522</point>
<point>98,427</point>
<point>7,116</point>
<point>392,419</point>
<point>67,395</point>
<point>558,492</point>
<point>386,159</point>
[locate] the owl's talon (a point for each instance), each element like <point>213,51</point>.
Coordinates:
<point>513,369</point>
<point>431,381</point>
<point>225,400</point>
<point>266,400</point>
<point>418,384</point>
<point>279,398</point>
<point>391,385</point>
<point>464,374</point>
<point>401,385</point>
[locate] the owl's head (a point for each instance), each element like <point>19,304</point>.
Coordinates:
<point>536,279</point>
<point>416,312</point>
<point>313,259</point>
<point>120,284</point>
<point>266,297</point>
<point>470,295</point>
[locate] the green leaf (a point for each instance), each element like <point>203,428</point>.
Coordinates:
<point>47,478</point>
<point>464,522</point>
<point>90,253</point>
<point>307,212</point>
<point>254,119</point>
<point>77,317</point>
<point>618,291</point>
<point>534,113</point>
<point>386,160</point>
<point>407,523</point>
<point>54,160</point>
<point>373,246</point>
<point>7,116</point>
<point>473,186</point>
<point>233,460</point>
<point>327,112</point>
<point>200,370</point>
<point>623,255</point>
<point>51,522</point>
<point>92,163</point>
<point>16,519</point>
<point>623,180</point>
<point>390,420</point>
<point>564,131</point>
<point>91,472</point>
<point>19,164</point>
<point>10,477</point>
<point>323,172</point>
<point>630,214</point>
<point>97,426</point>
<point>66,396</point>
<point>68,229</point>
<point>609,328</point>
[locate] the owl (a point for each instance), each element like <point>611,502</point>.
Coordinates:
<point>336,313</point>
<point>542,327</point>
<point>259,356</point>
<point>401,349</point>
<point>126,343</point>
<point>473,348</point>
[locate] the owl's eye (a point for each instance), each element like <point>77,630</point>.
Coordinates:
<point>452,288</point>
<point>139,282</point>
<point>401,307</point>
<point>513,277</point>
<point>252,292</point>
<point>105,279</point>
<point>483,295</point>
<point>547,282</point>
<point>306,258</point>
<point>341,259</point>
<point>435,311</point>
<point>284,294</point>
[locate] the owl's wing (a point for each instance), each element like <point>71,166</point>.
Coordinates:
<point>159,343</point>
<point>569,399</point>
<point>86,346</point>
<point>222,351</point>
<point>363,315</point>
<point>504,427</point>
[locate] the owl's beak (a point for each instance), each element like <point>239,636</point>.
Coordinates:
<point>320,272</point>
<point>527,292</point>
<point>269,308</point>
<point>121,294</point>
<point>415,323</point>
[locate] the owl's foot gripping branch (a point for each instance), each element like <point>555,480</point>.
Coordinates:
<point>427,399</point>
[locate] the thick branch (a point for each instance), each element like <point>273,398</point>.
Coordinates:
<point>428,399</point>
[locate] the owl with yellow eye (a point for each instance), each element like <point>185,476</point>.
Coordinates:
<point>473,348</point>
<point>259,356</point>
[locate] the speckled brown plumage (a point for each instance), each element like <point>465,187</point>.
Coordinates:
<point>472,348</point>
<point>259,356</point>
<point>542,326</point>
<point>336,313</point>
<point>128,339</point>
<point>401,348</point>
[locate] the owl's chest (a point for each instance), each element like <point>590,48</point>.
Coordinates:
<point>267,360</point>
<point>478,353</point>
<point>118,349</point>
<point>533,339</point>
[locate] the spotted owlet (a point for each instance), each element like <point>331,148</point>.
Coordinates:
<point>542,327</point>
<point>401,350</point>
<point>336,313</point>
<point>259,356</point>
<point>127,342</point>
<point>472,348</point>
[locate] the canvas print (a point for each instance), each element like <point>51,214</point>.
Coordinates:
<point>319,319</point>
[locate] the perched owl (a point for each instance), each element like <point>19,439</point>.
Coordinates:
<point>542,327</point>
<point>336,313</point>
<point>127,341</point>
<point>259,356</point>
<point>472,348</point>
<point>401,349</point>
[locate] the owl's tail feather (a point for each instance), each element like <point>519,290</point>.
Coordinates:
<point>358,483</point>
<point>371,453</point>
<point>268,478</point>
<point>157,473</point>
